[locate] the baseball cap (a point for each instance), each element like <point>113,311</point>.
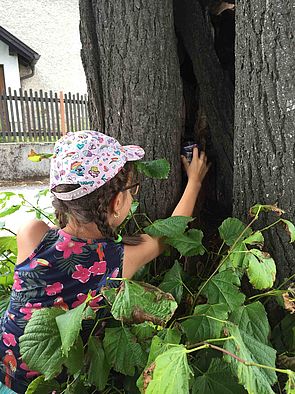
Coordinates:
<point>90,159</point>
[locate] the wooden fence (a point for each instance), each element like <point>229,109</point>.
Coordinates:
<point>41,116</point>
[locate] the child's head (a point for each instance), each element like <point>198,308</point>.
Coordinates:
<point>88,171</point>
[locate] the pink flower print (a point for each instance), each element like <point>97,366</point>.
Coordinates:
<point>17,282</point>
<point>81,273</point>
<point>68,246</point>
<point>29,308</point>
<point>98,268</point>
<point>94,304</point>
<point>59,303</point>
<point>30,373</point>
<point>54,289</point>
<point>115,273</point>
<point>32,255</point>
<point>8,339</point>
<point>81,297</point>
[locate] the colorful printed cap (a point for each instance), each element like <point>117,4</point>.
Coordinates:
<point>89,159</point>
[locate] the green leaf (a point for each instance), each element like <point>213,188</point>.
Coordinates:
<point>283,335</point>
<point>109,294</point>
<point>39,385</point>
<point>8,243</point>
<point>200,327</point>
<point>35,157</point>
<point>99,368</point>
<point>255,239</point>
<point>69,325</point>
<point>170,372</point>
<point>255,380</point>
<point>189,243</point>
<point>290,385</point>
<point>290,228</point>
<point>138,302</point>
<point>223,289</point>
<point>256,209</point>
<point>170,335</point>
<point>172,282</point>
<point>237,257</point>
<point>144,331</point>
<point>217,380</point>
<point>158,346</point>
<point>252,319</point>
<point>158,169</point>
<point>122,351</point>
<point>231,229</point>
<point>74,362</point>
<point>41,342</point>
<point>10,210</point>
<point>261,269</point>
<point>170,227</point>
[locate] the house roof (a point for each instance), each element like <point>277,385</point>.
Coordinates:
<point>27,56</point>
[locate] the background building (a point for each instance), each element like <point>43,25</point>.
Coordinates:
<point>49,28</point>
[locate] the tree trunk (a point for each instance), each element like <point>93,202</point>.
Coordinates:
<point>264,170</point>
<point>130,59</point>
<point>215,91</point>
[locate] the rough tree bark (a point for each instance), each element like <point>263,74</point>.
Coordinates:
<point>130,58</point>
<point>264,167</point>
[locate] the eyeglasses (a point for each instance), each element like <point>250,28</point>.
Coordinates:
<point>134,188</point>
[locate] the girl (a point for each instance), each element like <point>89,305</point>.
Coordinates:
<point>93,183</point>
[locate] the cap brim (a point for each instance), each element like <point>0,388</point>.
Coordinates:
<point>133,152</point>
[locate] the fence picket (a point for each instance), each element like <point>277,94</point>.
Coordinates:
<point>40,116</point>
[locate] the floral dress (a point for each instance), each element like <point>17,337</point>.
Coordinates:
<point>60,272</point>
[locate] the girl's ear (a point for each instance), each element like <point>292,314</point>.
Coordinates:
<point>117,202</point>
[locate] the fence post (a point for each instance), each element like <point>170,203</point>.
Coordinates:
<point>62,113</point>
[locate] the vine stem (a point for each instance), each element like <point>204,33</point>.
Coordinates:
<point>245,362</point>
<point>225,258</point>
<point>38,210</point>
<point>271,225</point>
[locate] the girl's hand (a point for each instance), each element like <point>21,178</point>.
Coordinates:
<point>198,168</point>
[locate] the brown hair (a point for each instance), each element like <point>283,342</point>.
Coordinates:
<point>94,206</point>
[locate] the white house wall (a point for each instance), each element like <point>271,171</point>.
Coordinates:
<point>51,28</point>
<point>11,69</point>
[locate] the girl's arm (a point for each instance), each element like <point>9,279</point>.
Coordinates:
<point>151,247</point>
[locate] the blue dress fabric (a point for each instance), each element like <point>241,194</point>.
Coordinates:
<point>60,272</point>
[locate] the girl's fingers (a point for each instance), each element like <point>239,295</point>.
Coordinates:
<point>185,162</point>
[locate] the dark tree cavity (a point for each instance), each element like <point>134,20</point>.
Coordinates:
<point>154,78</point>
<point>264,169</point>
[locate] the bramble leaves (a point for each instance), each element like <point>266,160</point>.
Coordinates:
<point>256,209</point>
<point>223,289</point>
<point>139,302</point>
<point>200,327</point>
<point>217,380</point>
<point>255,239</point>
<point>99,368</point>
<point>231,229</point>
<point>8,243</point>
<point>122,351</point>
<point>172,282</point>
<point>252,319</point>
<point>170,372</point>
<point>69,325</point>
<point>290,385</point>
<point>290,228</point>
<point>10,210</point>
<point>158,169</point>
<point>170,227</point>
<point>261,269</point>
<point>40,346</point>
<point>189,243</point>
<point>39,385</point>
<point>250,350</point>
